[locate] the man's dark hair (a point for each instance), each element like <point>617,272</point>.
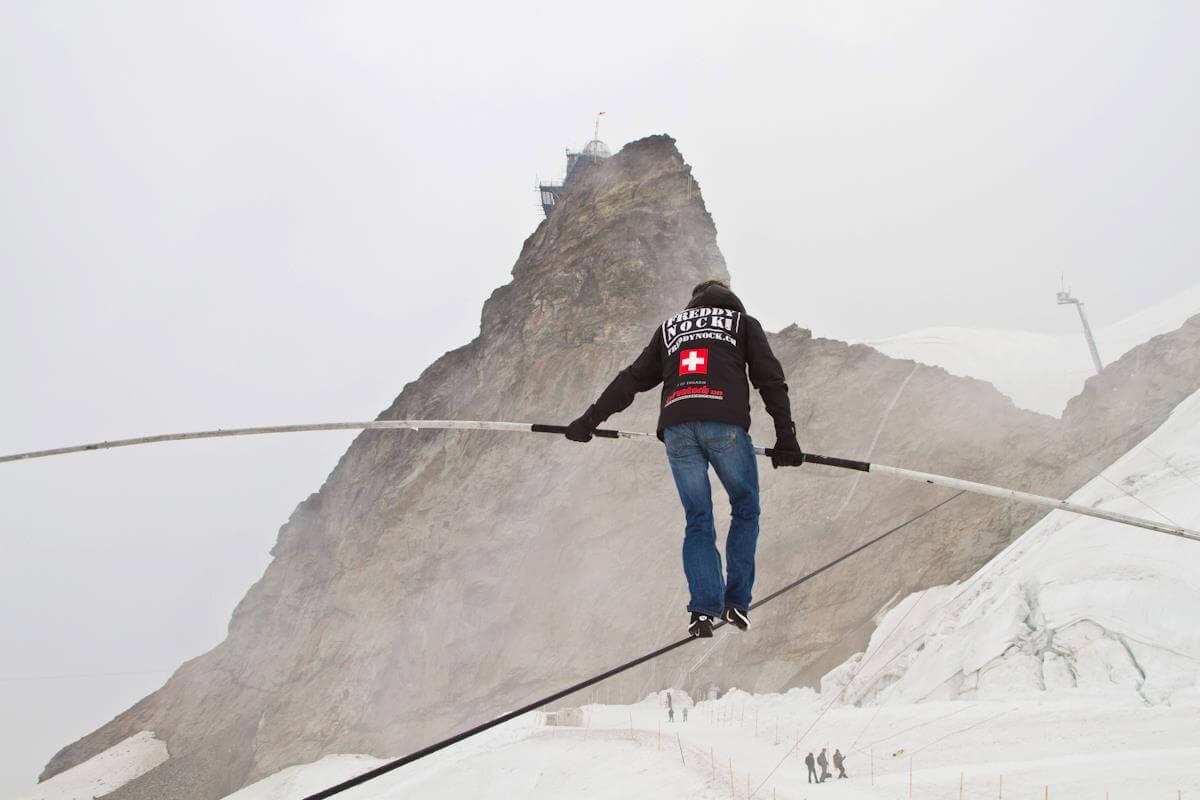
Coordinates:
<point>700,287</point>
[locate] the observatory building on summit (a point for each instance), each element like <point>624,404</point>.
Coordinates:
<point>592,153</point>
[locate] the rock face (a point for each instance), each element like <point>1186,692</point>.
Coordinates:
<point>437,579</point>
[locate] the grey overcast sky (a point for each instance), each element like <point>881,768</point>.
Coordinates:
<point>222,213</point>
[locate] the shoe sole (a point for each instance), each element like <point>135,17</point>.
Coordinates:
<point>733,620</point>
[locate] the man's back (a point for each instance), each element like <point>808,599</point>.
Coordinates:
<point>701,357</point>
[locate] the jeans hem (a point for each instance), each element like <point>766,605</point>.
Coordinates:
<point>695,610</point>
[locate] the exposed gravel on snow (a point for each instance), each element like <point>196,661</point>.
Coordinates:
<point>105,772</point>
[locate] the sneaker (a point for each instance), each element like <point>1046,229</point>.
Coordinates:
<point>701,625</point>
<point>736,617</point>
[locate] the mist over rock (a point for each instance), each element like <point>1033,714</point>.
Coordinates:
<point>439,579</point>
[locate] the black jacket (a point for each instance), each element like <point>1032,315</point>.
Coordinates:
<point>701,357</point>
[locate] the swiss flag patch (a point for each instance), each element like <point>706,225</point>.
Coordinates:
<point>693,362</point>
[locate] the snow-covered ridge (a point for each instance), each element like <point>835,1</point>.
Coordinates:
<point>105,772</point>
<point>1075,604</point>
<point>1038,371</point>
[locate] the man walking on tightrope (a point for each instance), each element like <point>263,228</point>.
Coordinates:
<point>701,356</point>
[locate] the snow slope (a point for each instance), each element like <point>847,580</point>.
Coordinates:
<point>1076,604</point>
<point>104,772</point>
<point>1038,371</point>
<point>753,745</point>
<point>523,758</point>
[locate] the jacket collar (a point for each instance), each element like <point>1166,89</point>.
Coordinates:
<point>718,297</point>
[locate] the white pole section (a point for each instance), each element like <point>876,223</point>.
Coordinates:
<point>379,424</point>
<point>1035,500</point>
<point>528,427</point>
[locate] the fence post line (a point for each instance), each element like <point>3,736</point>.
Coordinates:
<point>680,741</point>
<point>731,779</point>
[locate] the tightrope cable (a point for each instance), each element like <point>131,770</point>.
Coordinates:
<point>416,755</point>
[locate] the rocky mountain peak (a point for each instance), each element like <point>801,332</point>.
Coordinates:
<point>437,579</point>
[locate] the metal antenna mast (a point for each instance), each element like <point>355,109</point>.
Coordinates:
<point>1065,298</point>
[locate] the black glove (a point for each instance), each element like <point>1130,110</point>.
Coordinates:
<point>787,452</point>
<point>581,429</point>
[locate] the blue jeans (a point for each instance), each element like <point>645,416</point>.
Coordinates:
<point>691,447</point>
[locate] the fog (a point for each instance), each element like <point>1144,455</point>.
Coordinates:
<point>220,214</point>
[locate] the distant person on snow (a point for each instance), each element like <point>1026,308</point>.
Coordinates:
<point>823,763</point>
<point>812,769</point>
<point>839,762</point>
<point>701,356</point>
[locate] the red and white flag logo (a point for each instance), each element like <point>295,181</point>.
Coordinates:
<point>693,362</point>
